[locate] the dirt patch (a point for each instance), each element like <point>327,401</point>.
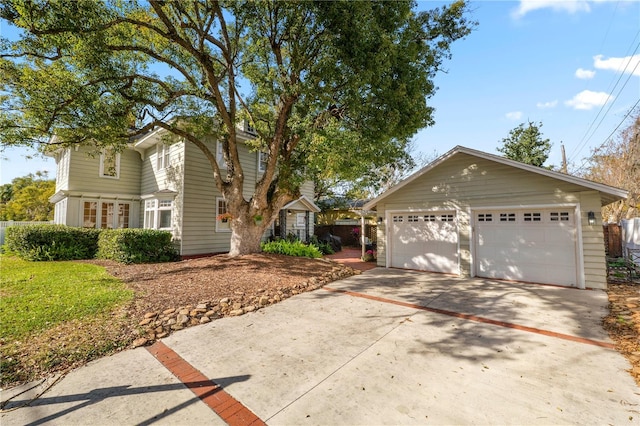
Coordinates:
<point>623,322</point>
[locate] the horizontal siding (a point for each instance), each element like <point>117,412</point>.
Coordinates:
<point>62,169</point>
<point>199,215</point>
<point>84,173</point>
<point>463,182</point>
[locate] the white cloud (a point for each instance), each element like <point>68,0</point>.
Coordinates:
<point>547,105</point>
<point>618,64</point>
<point>585,74</point>
<point>587,100</point>
<point>569,6</point>
<point>514,115</point>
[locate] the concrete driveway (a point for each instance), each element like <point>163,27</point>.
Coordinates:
<point>384,347</point>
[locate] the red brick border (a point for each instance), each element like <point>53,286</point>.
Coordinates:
<point>224,405</point>
<point>476,318</point>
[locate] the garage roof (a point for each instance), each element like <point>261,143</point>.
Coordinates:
<point>608,194</point>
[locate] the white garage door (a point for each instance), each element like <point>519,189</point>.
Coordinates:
<point>426,241</point>
<point>535,245</point>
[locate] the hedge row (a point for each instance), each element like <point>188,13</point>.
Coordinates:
<point>60,242</point>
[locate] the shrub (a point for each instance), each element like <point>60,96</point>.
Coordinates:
<point>52,242</point>
<point>291,248</point>
<point>136,246</point>
<point>325,248</point>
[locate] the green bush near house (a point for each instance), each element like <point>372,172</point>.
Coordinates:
<point>291,248</point>
<point>51,242</point>
<point>136,246</point>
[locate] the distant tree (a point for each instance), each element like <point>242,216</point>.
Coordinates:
<point>617,163</point>
<point>374,181</point>
<point>526,145</point>
<point>28,198</point>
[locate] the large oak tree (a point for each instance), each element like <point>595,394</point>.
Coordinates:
<point>331,87</point>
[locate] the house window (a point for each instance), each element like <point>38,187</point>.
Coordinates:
<point>222,224</point>
<point>150,214</point>
<point>220,156</point>
<point>123,215</point>
<point>263,157</point>
<point>249,128</point>
<point>485,217</point>
<point>157,214</point>
<point>164,214</point>
<point>90,214</point>
<point>162,156</point>
<point>108,214</point>
<point>106,217</point>
<point>110,164</point>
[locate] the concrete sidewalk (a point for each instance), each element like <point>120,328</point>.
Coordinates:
<point>384,347</point>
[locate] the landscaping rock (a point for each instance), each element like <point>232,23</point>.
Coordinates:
<point>141,341</point>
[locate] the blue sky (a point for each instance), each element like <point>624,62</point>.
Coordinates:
<point>559,62</point>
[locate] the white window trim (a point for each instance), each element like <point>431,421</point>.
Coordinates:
<point>221,227</point>
<point>260,168</point>
<point>102,175</point>
<point>99,202</point>
<point>162,156</point>
<point>156,209</point>
<point>220,157</point>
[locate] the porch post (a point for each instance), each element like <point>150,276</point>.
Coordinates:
<point>362,234</point>
<point>283,224</point>
<point>306,226</point>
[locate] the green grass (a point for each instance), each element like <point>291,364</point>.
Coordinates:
<point>36,296</point>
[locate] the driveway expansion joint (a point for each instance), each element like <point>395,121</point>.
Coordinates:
<point>475,318</point>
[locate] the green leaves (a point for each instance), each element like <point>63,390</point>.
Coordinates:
<point>330,87</point>
<point>525,144</point>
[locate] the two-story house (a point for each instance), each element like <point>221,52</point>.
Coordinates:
<point>156,185</point>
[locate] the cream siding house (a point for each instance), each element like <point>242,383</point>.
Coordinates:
<point>157,185</point>
<point>470,213</point>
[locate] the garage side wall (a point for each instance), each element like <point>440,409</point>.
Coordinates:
<point>464,182</point>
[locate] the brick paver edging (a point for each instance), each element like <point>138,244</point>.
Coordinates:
<point>477,319</point>
<point>212,394</point>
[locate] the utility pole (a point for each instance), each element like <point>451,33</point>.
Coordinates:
<point>564,160</point>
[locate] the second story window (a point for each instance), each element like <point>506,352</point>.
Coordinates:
<point>110,164</point>
<point>162,156</point>
<point>263,157</point>
<point>220,156</point>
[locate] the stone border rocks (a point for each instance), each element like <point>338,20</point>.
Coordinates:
<point>157,325</point>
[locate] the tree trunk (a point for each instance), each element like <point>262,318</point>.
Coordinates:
<point>246,236</point>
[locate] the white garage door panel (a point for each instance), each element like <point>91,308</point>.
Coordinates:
<point>542,250</point>
<point>424,241</point>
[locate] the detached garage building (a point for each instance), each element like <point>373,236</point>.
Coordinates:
<point>476,214</point>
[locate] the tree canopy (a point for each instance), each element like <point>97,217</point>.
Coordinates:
<point>617,163</point>
<point>27,198</point>
<point>526,145</point>
<point>331,88</point>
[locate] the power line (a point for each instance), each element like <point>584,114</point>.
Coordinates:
<point>584,140</point>
<point>584,162</point>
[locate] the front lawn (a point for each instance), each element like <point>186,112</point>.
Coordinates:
<point>40,295</point>
<point>56,314</point>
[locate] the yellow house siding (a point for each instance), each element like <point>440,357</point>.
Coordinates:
<point>465,182</point>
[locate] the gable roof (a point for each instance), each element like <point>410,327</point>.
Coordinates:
<point>303,203</point>
<point>608,194</point>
